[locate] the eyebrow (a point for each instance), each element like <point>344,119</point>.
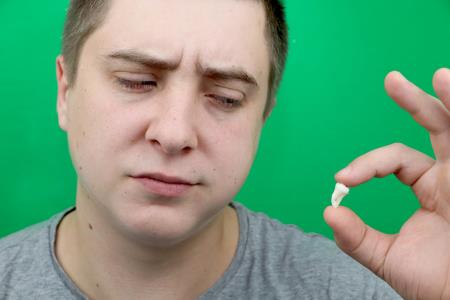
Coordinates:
<point>232,73</point>
<point>152,61</point>
<point>147,60</point>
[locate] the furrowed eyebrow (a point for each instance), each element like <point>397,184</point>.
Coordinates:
<point>155,62</point>
<point>143,59</point>
<point>228,74</point>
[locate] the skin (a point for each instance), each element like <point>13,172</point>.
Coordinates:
<point>124,242</point>
<point>416,261</point>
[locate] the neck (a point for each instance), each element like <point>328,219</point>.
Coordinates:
<point>107,265</point>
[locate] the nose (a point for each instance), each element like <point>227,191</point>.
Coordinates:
<point>173,130</point>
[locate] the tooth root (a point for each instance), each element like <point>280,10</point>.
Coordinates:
<point>340,191</point>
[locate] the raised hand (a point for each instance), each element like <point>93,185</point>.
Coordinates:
<point>416,261</point>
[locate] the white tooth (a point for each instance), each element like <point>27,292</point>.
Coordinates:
<point>340,191</point>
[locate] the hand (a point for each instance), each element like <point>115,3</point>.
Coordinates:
<point>416,261</point>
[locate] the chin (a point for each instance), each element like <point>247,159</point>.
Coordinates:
<point>163,227</point>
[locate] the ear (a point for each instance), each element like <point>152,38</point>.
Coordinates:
<point>269,110</point>
<point>63,91</point>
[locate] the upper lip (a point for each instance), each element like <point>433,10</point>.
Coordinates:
<point>165,178</point>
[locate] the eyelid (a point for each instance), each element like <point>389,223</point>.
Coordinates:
<point>125,81</point>
<point>136,76</point>
<point>136,85</point>
<point>230,92</point>
<point>222,101</point>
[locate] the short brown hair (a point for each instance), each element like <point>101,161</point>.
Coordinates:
<point>85,16</point>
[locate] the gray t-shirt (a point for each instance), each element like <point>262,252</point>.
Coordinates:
<point>272,261</point>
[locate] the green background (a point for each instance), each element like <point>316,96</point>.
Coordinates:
<point>331,108</point>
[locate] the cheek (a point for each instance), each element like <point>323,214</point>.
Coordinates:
<point>95,134</point>
<point>234,152</point>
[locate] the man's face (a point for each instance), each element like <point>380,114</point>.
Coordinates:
<point>174,88</point>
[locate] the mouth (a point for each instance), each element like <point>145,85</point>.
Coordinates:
<point>164,185</point>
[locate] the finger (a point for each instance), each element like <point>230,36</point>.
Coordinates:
<point>425,109</point>
<point>406,163</point>
<point>441,84</point>
<point>354,237</point>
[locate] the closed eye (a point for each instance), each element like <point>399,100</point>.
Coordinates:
<point>225,102</point>
<point>139,86</point>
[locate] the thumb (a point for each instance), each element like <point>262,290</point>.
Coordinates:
<point>366,245</point>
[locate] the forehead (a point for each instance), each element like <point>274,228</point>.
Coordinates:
<point>228,32</point>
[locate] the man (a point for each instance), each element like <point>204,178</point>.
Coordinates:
<point>163,103</point>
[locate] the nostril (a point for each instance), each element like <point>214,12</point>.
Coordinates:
<point>155,143</point>
<point>186,150</point>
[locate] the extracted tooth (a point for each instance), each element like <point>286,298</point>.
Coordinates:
<point>340,191</point>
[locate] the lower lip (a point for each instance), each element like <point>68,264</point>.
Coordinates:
<point>163,188</point>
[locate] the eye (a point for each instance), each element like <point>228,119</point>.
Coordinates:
<point>228,103</point>
<point>139,86</point>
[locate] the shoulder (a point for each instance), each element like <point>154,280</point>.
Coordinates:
<point>26,261</point>
<point>26,240</point>
<point>306,264</point>
<point>286,240</point>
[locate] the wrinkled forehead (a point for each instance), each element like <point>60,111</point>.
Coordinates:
<point>218,32</point>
